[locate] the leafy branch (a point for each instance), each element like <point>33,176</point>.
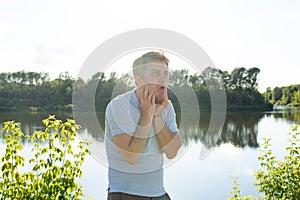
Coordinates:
<point>55,165</point>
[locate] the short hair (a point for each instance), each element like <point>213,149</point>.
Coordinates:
<point>150,57</point>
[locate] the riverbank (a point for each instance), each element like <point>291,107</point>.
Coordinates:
<point>202,108</point>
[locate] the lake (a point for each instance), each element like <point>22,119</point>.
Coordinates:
<point>193,175</point>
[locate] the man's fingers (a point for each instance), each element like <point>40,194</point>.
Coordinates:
<point>140,92</point>
<point>166,94</point>
<point>152,101</point>
<point>146,92</point>
<point>149,97</point>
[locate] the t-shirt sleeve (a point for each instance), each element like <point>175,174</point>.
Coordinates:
<point>119,119</point>
<point>171,118</point>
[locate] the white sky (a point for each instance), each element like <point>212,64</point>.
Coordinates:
<point>57,36</point>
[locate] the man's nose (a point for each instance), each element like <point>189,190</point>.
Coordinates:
<point>163,79</point>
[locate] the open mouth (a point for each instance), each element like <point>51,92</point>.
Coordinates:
<point>161,90</point>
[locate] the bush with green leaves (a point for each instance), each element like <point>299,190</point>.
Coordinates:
<point>280,179</point>
<point>55,166</point>
<point>276,179</point>
<point>236,193</point>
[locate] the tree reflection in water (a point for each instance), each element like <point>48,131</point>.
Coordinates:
<point>239,129</point>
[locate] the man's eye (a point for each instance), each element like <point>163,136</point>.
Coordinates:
<point>155,73</point>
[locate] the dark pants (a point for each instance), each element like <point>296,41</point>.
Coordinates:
<point>122,196</point>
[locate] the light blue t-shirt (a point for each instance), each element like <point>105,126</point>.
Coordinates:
<point>145,178</point>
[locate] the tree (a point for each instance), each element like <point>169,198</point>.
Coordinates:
<point>296,98</point>
<point>251,78</point>
<point>227,79</point>
<point>195,79</point>
<point>277,94</point>
<point>213,78</point>
<point>238,78</point>
<point>178,78</point>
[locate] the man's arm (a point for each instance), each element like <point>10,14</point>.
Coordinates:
<point>170,142</point>
<point>131,146</point>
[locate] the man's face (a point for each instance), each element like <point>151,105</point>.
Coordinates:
<point>156,76</point>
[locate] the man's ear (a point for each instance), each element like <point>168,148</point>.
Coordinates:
<point>138,80</point>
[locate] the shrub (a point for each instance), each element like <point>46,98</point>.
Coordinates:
<point>236,193</point>
<point>54,167</point>
<point>280,179</point>
<point>276,179</point>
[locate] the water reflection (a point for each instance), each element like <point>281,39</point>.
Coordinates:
<point>93,124</point>
<point>30,122</point>
<point>289,114</point>
<point>239,129</point>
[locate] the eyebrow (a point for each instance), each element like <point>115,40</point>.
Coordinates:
<point>157,70</point>
<point>154,70</point>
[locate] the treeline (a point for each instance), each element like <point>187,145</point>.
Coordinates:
<point>240,87</point>
<point>284,96</point>
<point>35,91</point>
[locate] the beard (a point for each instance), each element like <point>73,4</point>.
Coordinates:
<point>159,96</point>
<point>159,99</point>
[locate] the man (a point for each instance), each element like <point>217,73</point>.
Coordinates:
<point>140,126</point>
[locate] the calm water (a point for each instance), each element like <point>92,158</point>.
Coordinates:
<point>192,175</point>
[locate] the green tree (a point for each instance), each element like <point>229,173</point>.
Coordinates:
<point>227,79</point>
<point>251,78</point>
<point>195,79</point>
<point>213,78</point>
<point>296,98</point>
<point>238,78</point>
<point>178,78</point>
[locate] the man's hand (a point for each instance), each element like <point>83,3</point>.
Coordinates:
<point>163,105</point>
<point>169,142</point>
<point>146,98</point>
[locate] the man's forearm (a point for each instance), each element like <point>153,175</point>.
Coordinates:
<point>169,142</point>
<point>131,146</point>
<point>139,138</point>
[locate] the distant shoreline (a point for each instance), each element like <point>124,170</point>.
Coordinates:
<point>279,107</point>
<point>69,108</point>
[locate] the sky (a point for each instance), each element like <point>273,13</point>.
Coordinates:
<point>57,36</point>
